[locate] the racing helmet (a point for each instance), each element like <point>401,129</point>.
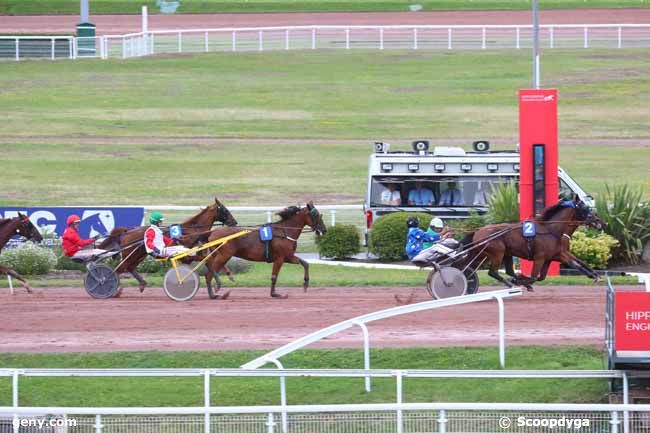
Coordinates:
<point>436,223</point>
<point>72,219</point>
<point>412,222</point>
<point>156,218</point>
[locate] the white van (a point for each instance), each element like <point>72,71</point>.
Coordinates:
<point>459,181</point>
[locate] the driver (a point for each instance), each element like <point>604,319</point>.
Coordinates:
<point>416,237</point>
<point>73,245</point>
<point>156,243</point>
<point>442,244</point>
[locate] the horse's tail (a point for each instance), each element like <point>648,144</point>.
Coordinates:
<point>112,241</point>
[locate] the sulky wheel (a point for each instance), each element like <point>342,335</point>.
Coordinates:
<point>472,281</point>
<point>183,289</point>
<point>101,282</point>
<point>447,283</point>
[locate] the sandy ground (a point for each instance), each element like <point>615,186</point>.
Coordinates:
<point>68,320</point>
<point>121,24</point>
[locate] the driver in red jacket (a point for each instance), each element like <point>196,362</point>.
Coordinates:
<point>73,245</point>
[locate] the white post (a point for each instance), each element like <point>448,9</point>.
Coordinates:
<point>614,422</point>
<point>313,39</point>
<point>283,395</point>
<point>626,401</point>
<point>398,379</point>
<point>145,20</point>
<point>75,48</point>
<point>17,50</point>
<point>551,37</point>
<point>381,38</point>
<point>180,42</point>
<point>502,337</point>
<point>261,40</point>
<point>286,39</point>
<point>269,214</point>
<point>620,37</point>
<point>518,38</point>
<point>11,286</point>
<point>415,39</point>
<point>14,399</point>
<point>123,48</point>
<point>586,33</point>
<point>442,422</point>
<point>366,352</point>
<point>234,40</point>
<point>333,212</point>
<point>449,38</point>
<point>347,39</point>
<point>205,37</point>
<point>483,41</point>
<point>151,41</point>
<point>206,401</point>
<point>98,424</point>
<point>270,424</point>
<point>52,49</point>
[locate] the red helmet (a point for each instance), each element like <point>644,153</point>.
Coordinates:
<point>73,219</point>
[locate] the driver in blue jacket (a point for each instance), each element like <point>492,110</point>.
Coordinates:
<point>416,238</point>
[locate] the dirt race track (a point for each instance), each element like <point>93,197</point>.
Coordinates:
<point>68,320</point>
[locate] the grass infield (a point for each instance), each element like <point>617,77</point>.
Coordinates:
<point>259,391</point>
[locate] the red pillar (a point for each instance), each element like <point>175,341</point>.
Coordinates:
<point>538,156</point>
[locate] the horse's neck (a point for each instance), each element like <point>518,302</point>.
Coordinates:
<point>7,230</point>
<point>202,221</point>
<point>292,226</point>
<point>562,222</point>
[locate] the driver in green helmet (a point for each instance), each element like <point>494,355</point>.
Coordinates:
<point>156,243</point>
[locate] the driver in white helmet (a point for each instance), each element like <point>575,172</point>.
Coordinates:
<point>444,245</point>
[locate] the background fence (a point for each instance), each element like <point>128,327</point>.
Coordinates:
<point>409,37</point>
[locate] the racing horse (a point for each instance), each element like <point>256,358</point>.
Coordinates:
<point>130,241</point>
<point>20,225</point>
<point>554,228</point>
<point>282,248</point>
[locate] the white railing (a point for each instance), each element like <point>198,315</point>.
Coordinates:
<point>37,47</point>
<point>409,37</point>
<point>351,418</point>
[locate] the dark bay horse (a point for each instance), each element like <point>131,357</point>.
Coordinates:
<point>20,225</point>
<point>131,240</point>
<point>554,228</point>
<point>282,247</point>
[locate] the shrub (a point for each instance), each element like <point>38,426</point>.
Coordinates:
<point>388,235</point>
<point>152,266</point>
<point>239,266</point>
<point>593,248</point>
<point>29,259</point>
<point>339,242</point>
<point>503,204</point>
<point>627,219</point>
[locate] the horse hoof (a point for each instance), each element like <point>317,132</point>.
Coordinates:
<point>279,296</point>
<point>530,288</point>
<point>224,296</point>
<point>142,286</point>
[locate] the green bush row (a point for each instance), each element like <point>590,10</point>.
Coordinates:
<point>340,242</point>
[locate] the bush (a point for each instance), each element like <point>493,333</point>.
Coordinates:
<point>503,204</point>
<point>627,219</point>
<point>239,266</point>
<point>463,227</point>
<point>28,259</point>
<point>339,242</point>
<point>594,248</point>
<point>152,266</point>
<point>388,235</point>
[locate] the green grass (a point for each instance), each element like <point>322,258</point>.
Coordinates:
<point>31,7</point>
<point>323,109</point>
<point>243,391</point>
<point>322,276</point>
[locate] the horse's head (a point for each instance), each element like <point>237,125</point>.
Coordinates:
<point>223,214</point>
<point>587,215</point>
<point>27,229</point>
<point>316,220</point>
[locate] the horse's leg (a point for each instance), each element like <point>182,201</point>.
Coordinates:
<point>214,265</point>
<point>544,271</point>
<point>16,275</point>
<point>229,273</point>
<point>297,260</point>
<point>277,264</point>
<point>570,260</point>
<point>495,261</point>
<point>138,277</point>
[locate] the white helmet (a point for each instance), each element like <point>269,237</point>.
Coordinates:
<point>436,223</point>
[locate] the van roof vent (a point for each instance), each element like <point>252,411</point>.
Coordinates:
<point>448,151</point>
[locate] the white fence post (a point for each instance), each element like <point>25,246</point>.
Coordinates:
<point>234,40</point>
<point>620,37</point>
<point>11,286</point>
<point>398,380</point>
<point>286,39</point>
<point>449,38</point>
<point>551,37</point>
<point>206,400</point>
<point>586,35</point>
<point>313,39</point>
<point>333,213</point>
<point>442,422</point>
<point>518,37</point>
<point>152,42</point>
<point>17,44</point>
<point>98,424</point>
<point>52,49</point>
<point>269,216</point>
<point>261,40</point>
<point>483,39</point>
<point>502,334</point>
<point>270,424</point>
<point>381,38</point>
<point>366,353</point>
<point>180,42</point>
<point>206,42</point>
<point>347,39</point>
<point>415,39</point>
<point>614,422</point>
<point>283,395</point>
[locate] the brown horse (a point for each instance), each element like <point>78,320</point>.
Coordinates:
<point>196,229</point>
<point>20,225</point>
<point>554,228</point>
<point>282,247</point>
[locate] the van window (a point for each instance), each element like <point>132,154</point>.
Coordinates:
<point>453,191</point>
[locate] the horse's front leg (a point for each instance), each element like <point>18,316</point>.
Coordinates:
<point>139,278</point>
<point>214,265</point>
<point>297,260</point>
<point>277,264</point>
<point>570,260</point>
<point>16,275</point>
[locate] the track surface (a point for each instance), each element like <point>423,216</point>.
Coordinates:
<point>121,24</point>
<point>68,320</point>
